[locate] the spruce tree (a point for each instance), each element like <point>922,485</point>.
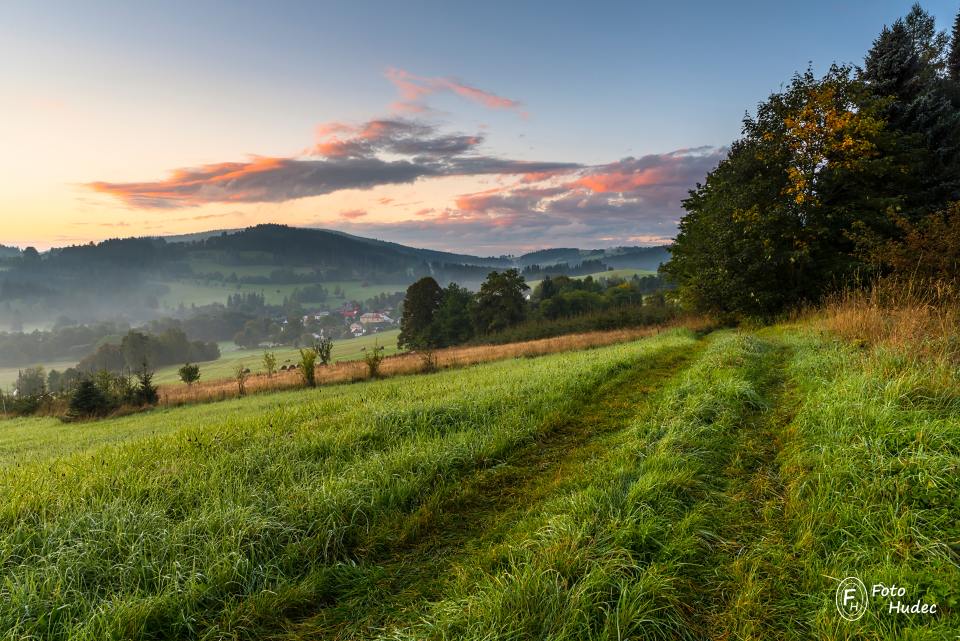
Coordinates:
<point>953,62</point>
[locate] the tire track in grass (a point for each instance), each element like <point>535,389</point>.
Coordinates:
<point>751,562</point>
<point>405,568</point>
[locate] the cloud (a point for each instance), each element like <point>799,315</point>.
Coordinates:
<point>633,200</point>
<point>263,180</point>
<point>414,90</point>
<point>379,152</point>
<point>353,214</point>
<point>396,136</point>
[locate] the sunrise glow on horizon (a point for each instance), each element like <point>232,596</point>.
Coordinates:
<point>540,129</point>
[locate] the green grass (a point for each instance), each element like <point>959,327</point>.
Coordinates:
<point>8,375</point>
<point>626,273</point>
<point>231,356</point>
<point>233,515</point>
<point>200,292</point>
<point>670,488</point>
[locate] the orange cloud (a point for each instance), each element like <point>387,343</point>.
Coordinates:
<point>414,90</point>
<point>353,214</point>
<point>619,181</point>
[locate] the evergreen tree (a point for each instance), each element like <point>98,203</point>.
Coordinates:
<point>146,392</point>
<point>88,400</point>
<point>905,67</point>
<point>953,61</point>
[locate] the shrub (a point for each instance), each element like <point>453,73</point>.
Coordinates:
<point>373,357</point>
<point>270,363</point>
<point>308,364</point>
<point>189,374</point>
<point>146,391</point>
<point>324,348</point>
<point>240,374</point>
<point>89,401</point>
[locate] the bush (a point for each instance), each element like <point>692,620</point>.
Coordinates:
<point>373,357</point>
<point>240,374</point>
<point>308,364</point>
<point>324,348</point>
<point>270,363</point>
<point>89,401</point>
<point>189,374</point>
<point>146,391</point>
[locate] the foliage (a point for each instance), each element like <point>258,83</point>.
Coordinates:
<point>270,363</point>
<point>953,63</point>
<point>88,401</point>
<point>373,357</point>
<point>828,175</point>
<point>452,323</point>
<point>146,391</point>
<point>189,373</point>
<point>500,302</point>
<point>422,300</point>
<point>240,375</point>
<point>169,347</point>
<point>656,311</point>
<point>308,366</point>
<point>31,382</point>
<point>324,348</point>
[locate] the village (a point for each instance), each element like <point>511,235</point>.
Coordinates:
<point>357,323</point>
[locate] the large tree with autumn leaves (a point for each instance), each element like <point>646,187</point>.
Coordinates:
<point>827,174</point>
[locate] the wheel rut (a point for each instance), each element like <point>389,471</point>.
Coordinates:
<point>444,533</point>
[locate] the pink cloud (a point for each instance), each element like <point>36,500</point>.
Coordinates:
<point>353,214</point>
<point>414,90</point>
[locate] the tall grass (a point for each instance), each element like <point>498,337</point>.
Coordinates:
<point>409,363</point>
<point>871,463</point>
<point>222,527</point>
<point>618,556</point>
<point>912,315</point>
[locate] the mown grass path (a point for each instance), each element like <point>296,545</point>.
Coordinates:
<point>408,570</point>
<point>746,569</point>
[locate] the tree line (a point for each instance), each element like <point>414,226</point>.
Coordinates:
<point>504,306</point>
<point>851,175</point>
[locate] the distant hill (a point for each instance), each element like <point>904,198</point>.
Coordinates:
<point>9,252</point>
<point>136,279</point>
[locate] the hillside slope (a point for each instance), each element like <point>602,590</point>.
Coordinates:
<point>673,487</point>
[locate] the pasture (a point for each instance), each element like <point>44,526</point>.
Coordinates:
<point>231,356</point>
<point>673,487</point>
<point>205,292</point>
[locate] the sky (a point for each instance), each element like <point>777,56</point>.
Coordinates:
<point>480,127</point>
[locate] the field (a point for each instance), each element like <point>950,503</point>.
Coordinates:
<point>674,487</point>
<point>202,292</point>
<point>613,273</point>
<point>8,375</point>
<point>231,355</point>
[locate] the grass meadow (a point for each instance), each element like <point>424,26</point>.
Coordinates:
<point>679,486</point>
<point>231,356</point>
<point>204,292</point>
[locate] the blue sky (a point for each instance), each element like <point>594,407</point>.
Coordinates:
<point>105,100</point>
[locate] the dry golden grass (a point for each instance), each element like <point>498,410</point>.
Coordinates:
<point>917,317</point>
<point>413,363</point>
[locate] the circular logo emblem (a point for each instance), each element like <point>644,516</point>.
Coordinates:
<point>851,598</point>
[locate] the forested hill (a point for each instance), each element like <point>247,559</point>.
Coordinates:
<point>138,279</point>
<point>285,246</point>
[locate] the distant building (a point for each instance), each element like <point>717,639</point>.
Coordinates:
<point>357,329</point>
<point>375,317</point>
